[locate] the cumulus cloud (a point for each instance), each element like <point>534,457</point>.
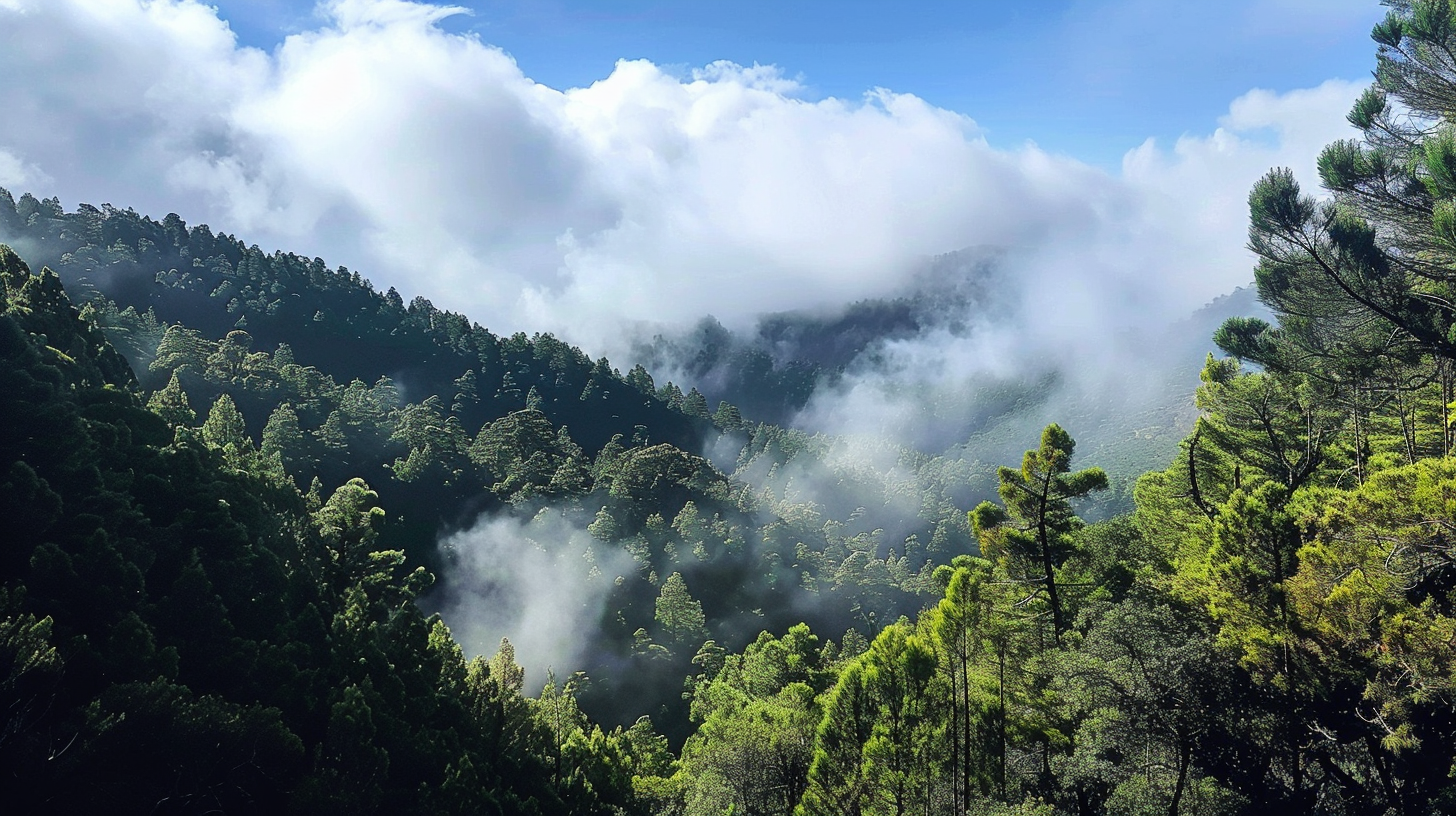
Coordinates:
<point>431,162</point>
<point>16,173</point>
<point>1197,192</point>
<point>103,98</point>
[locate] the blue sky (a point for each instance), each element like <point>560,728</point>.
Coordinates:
<point>1090,78</point>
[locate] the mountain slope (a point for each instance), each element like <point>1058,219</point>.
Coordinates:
<point>178,635</point>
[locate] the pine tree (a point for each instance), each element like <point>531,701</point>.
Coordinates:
<point>284,439</point>
<point>228,362</point>
<point>467,392</point>
<point>727,418</point>
<point>1371,269</point>
<point>695,404</point>
<point>181,348</point>
<point>680,614</point>
<point>1275,424</point>
<point>1030,535</point>
<point>639,379</point>
<point>225,427</point>
<point>672,395</point>
<point>332,435</point>
<point>172,405</point>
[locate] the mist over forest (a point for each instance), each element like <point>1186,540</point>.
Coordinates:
<point>384,430</point>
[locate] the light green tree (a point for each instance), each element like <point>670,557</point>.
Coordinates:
<point>1030,534</point>
<point>172,405</point>
<point>679,613</point>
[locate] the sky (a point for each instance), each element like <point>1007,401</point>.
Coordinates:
<point>1085,78</point>
<point>581,168</point>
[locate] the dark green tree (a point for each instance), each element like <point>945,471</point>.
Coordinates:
<point>181,349</point>
<point>679,614</point>
<point>225,429</point>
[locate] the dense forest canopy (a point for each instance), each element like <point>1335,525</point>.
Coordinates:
<point>264,522</point>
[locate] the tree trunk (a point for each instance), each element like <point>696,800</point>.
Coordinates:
<point>1185,759</point>
<point>1043,540</point>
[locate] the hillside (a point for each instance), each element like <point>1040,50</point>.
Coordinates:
<point>514,467</point>
<point>485,450</point>
<point>179,634</point>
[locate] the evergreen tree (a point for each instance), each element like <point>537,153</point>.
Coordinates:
<point>171,404</point>
<point>727,418</point>
<point>467,392</point>
<point>1030,534</point>
<point>1274,424</point>
<point>228,362</point>
<point>1375,262</point>
<point>680,615</point>
<point>181,349</point>
<point>696,405</point>
<point>639,379</point>
<point>224,426</point>
<point>285,440</point>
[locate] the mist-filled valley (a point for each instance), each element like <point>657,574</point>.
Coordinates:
<point>834,435</point>
<point>695,441</point>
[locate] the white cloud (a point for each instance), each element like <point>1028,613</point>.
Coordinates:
<point>1197,194</point>
<point>1094,303</point>
<point>16,172</point>
<point>105,97</point>
<point>430,161</point>
<point>540,582</point>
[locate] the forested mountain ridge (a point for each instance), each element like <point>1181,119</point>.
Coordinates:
<point>803,532</point>
<point>772,371</point>
<point>171,274</point>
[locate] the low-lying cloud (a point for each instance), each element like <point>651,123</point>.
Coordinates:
<point>541,582</point>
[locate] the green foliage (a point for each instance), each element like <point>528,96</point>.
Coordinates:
<point>1273,424</point>
<point>871,757</point>
<point>225,429</point>
<point>175,626</point>
<point>754,757</point>
<point>521,453</point>
<point>680,615</point>
<point>171,404</point>
<point>283,441</point>
<point>1030,535</point>
<point>1150,685</point>
<point>181,350</point>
